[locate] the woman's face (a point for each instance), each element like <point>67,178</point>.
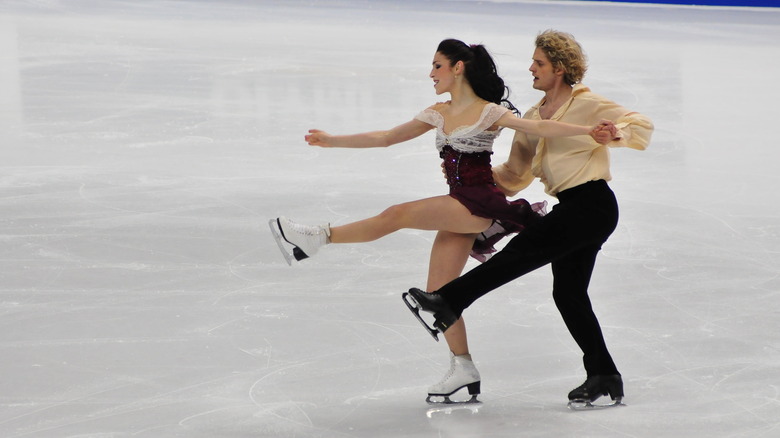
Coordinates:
<point>442,73</point>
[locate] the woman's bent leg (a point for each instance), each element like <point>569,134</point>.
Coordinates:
<point>448,258</point>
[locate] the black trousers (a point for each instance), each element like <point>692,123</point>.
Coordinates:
<point>568,238</point>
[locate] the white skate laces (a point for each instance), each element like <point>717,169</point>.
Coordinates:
<point>306,237</point>
<point>462,373</point>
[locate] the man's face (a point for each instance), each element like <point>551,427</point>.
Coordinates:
<point>545,75</point>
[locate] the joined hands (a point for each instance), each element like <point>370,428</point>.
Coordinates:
<point>604,132</point>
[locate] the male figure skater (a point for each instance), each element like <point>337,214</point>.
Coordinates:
<point>576,171</point>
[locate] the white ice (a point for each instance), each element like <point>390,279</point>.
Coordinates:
<point>146,144</point>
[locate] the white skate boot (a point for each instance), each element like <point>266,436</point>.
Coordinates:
<point>462,373</point>
<point>306,239</point>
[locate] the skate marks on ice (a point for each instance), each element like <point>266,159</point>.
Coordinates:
<point>133,302</point>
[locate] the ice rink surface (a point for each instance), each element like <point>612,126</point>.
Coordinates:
<point>146,144</point>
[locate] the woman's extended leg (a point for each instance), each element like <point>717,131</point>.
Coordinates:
<point>443,213</point>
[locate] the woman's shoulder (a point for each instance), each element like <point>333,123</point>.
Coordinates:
<point>440,107</point>
<point>491,112</point>
<point>434,114</point>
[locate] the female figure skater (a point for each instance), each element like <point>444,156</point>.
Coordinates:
<point>466,127</point>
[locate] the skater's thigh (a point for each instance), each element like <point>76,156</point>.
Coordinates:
<point>443,213</point>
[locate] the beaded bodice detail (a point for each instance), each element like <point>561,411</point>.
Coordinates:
<point>466,150</point>
<point>467,169</point>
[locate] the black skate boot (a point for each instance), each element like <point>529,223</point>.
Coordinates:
<point>583,396</point>
<point>417,300</point>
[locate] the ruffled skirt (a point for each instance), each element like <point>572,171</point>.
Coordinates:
<point>508,216</point>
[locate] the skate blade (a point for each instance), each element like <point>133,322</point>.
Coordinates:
<point>288,256</point>
<point>585,405</point>
<point>444,400</point>
<point>415,308</point>
<point>449,408</point>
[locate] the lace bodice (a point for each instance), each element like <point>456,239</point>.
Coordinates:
<point>469,138</point>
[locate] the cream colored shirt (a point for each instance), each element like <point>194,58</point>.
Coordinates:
<point>565,162</point>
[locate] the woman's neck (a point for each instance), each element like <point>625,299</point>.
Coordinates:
<point>463,98</point>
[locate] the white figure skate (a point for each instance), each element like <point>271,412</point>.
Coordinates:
<point>462,374</point>
<point>305,239</point>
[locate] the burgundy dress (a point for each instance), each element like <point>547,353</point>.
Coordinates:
<point>466,153</point>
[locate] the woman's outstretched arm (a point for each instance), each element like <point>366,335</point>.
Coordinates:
<point>549,128</point>
<point>375,139</point>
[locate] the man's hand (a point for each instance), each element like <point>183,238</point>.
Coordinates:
<point>604,132</point>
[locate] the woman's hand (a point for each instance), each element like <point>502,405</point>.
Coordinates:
<point>604,132</point>
<point>319,138</point>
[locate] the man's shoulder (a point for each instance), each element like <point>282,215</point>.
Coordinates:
<point>582,92</point>
<point>586,100</point>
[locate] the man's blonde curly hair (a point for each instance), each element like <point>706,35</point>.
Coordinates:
<point>565,53</point>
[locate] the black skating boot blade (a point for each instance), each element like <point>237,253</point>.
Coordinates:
<point>583,396</point>
<point>434,303</point>
<point>414,307</point>
<point>584,405</point>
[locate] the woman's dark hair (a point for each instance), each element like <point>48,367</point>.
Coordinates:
<point>480,70</point>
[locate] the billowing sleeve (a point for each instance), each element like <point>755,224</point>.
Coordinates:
<point>634,131</point>
<point>515,174</point>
